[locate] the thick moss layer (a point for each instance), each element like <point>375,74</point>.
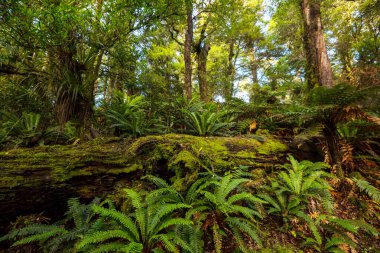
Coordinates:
<point>184,154</point>
<point>39,175</point>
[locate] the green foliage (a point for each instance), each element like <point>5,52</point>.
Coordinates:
<point>57,134</point>
<point>144,229</point>
<point>291,191</point>
<point>207,120</point>
<point>369,189</point>
<point>127,115</point>
<point>62,236</point>
<point>25,130</point>
<point>225,210</point>
<point>309,133</point>
<point>242,126</point>
<point>358,131</point>
<point>335,232</point>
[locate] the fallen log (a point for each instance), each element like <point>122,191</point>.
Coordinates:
<point>41,179</point>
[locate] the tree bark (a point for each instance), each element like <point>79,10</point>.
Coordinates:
<point>202,55</point>
<point>318,67</point>
<point>187,89</point>
<point>229,86</point>
<point>252,60</point>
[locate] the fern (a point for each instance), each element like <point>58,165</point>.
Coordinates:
<point>62,236</point>
<point>309,133</point>
<point>207,121</point>
<point>146,228</point>
<point>369,189</point>
<point>102,236</point>
<point>225,208</point>
<point>243,126</point>
<point>190,238</point>
<point>291,190</point>
<point>127,223</point>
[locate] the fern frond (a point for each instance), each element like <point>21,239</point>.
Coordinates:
<point>227,187</point>
<point>76,210</point>
<point>270,201</point>
<point>309,133</point>
<point>140,212</point>
<point>366,187</point>
<point>161,213</point>
<point>159,182</point>
<point>348,225</point>
<point>217,237</point>
<point>246,227</point>
<point>244,196</point>
<point>239,240</point>
<point>247,212</point>
<point>123,219</point>
<point>133,247</point>
<point>334,242</point>
<point>309,180</point>
<point>327,200</point>
<point>166,241</point>
<point>365,227</point>
<point>37,237</point>
<point>243,125</point>
<point>109,247</point>
<point>193,191</point>
<point>175,221</point>
<point>162,195</point>
<point>102,236</point>
<point>31,230</point>
<point>312,226</point>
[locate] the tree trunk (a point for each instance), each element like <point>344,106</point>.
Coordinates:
<point>41,179</point>
<point>187,89</point>
<point>202,55</point>
<point>318,67</point>
<point>332,140</point>
<point>345,56</point>
<point>229,86</point>
<point>252,61</point>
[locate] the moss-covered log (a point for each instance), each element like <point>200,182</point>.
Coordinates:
<point>42,178</point>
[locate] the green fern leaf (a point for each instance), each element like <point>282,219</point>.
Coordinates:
<point>246,227</point>
<point>127,222</point>
<point>365,186</point>
<point>102,236</point>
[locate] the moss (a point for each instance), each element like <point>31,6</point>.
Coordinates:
<point>185,158</point>
<point>245,154</point>
<point>176,152</point>
<point>270,147</point>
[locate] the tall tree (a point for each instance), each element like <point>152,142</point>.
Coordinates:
<point>318,67</point>
<point>202,48</point>
<point>187,89</point>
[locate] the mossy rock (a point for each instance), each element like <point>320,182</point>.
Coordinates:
<point>37,178</point>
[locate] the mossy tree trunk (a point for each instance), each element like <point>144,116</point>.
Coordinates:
<point>42,179</point>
